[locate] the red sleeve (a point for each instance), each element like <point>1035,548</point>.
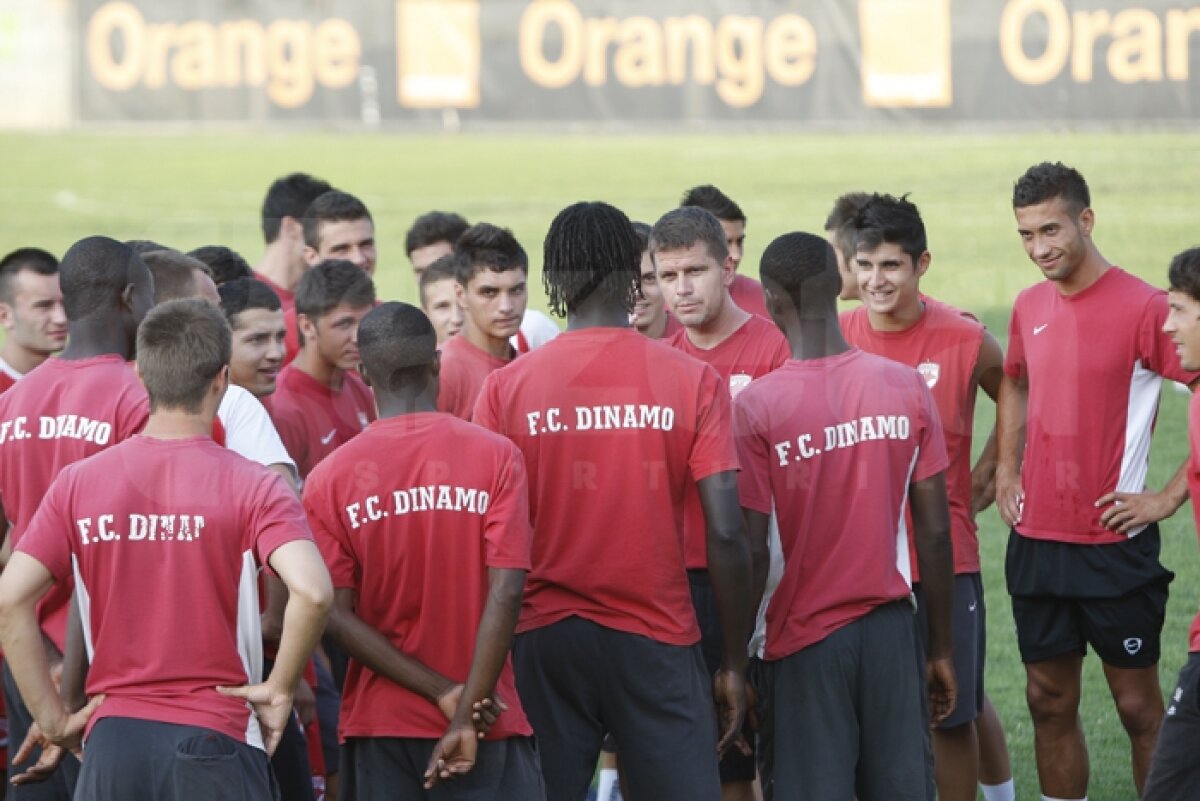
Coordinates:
<point>1155,348</point>
<point>931,443</point>
<point>450,390</point>
<point>276,517</point>
<point>753,452</point>
<point>1014,359</point>
<point>330,536</point>
<point>487,406</point>
<point>48,536</point>
<point>507,531</point>
<point>712,449</point>
<point>132,415</point>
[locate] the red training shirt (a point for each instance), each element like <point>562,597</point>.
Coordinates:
<point>756,348</point>
<point>1094,362</point>
<point>313,419</point>
<point>1193,476</point>
<point>410,515</point>
<point>464,367</point>
<point>614,427</point>
<point>166,538</point>
<point>748,295</point>
<point>835,443</point>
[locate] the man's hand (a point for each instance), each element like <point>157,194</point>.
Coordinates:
<point>1129,510</point>
<point>943,688</point>
<point>52,754</point>
<point>1010,497</point>
<point>729,694</point>
<point>484,714</point>
<point>983,491</point>
<point>453,755</point>
<point>271,705</point>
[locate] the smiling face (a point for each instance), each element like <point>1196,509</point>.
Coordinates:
<point>1183,326</point>
<point>694,284</point>
<point>258,350</point>
<point>888,281</point>
<point>1055,239</point>
<point>493,303</point>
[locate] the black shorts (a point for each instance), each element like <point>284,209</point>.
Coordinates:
<point>61,784</point>
<point>579,680</point>
<point>1113,597</point>
<point>127,758</point>
<point>735,766</point>
<point>969,633</point>
<point>393,769</point>
<point>1175,770</point>
<point>759,676</point>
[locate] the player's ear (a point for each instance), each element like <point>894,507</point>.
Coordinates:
<point>728,270</point>
<point>1087,219</point>
<point>923,263</point>
<point>306,326</point>
<point>7,319</point>
<point>435,366</point>
<point>460,294</point>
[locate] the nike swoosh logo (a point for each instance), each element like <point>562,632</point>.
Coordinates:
<point>1040,328</point>
<point>328,438</point>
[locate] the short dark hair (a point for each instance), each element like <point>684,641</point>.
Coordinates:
<point>591,250</point>
<point>1184,273</point>
<point>444,268</point>
<point>289,196</point>
<point>224,264</point>
<point>94,273</point>
<point>33,259</point>
<point>840,221</point>
<point>242,294</point>
<point>643,234</point>
<point>333,206</point>
<point>484,246</point>
<point>433,227</point>
<point>144,246</point>
<point>181,347</point>
<point>714,201</point>
<point>895,220</point>
<point>804,267</point>
<point>1046,181</point>
<point>174,274</point>
<point>681,228</point>
<point>330,283</point>
<point>397,343</point>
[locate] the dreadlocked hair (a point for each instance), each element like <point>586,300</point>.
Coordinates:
<point>591,250</point>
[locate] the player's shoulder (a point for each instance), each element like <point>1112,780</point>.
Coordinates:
<point>946,317</point>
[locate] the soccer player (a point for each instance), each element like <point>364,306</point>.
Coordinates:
<point>31,312</point>
<point>178,276</point>
<point>492,271</point>
<point>337,225</point>
<point>255,316</point>
<point>695,270</point>
<point>839,230</point>
<point>319,401</point>
<point>842,663</point>
<point>283,262</point>
<point>224,264</point>
<point>428,558</point>
<point>1175,771</point>
<point>70,407</point>
<point>650,315</point>
<point>956,356</point>
<point>1085,360</point>
<point>746,292</point>
<point>439,298</point>
<point>431,237</point>
<point>175,526</point>
<point>613,427</point>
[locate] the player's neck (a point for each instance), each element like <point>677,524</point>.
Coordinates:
<point>97,336</point>
<point>720,328</point>
<point>309,362</point>
<point>900,319</point>
<point>589,314</point>
<point>815,338</point>
<point>1087,273</point>
<point>21,359</point>
<point>496,348</point>
<point>179,424</point>
<point>402,404</point>
<point>279,265</point>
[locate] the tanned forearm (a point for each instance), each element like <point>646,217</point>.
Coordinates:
<point>493,640</point>
<point>728,566</point>
<point>935,559</point>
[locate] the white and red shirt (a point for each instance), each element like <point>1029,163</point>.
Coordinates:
<point>756,348</point>
<point>414,538</point>
<point>1193,478</point>
<point>536,330</point>
<point>834,444</point>
<point>8,376</point>
<point>313,419</point>
<point>464,367</point>
<point>943,346</point>
<point>614,427</point>
<point>165,539</point>
<point>748,295</point>
<point>1094,362</point>
<point>64,410</point>
<point>247,430</point>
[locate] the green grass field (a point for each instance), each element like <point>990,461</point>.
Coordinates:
<point>188,191</point>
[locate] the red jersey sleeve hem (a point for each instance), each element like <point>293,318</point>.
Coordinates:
<point>756,505</point>
<point>930,473</point>
<point>510,564</point>
<point>712,469</point>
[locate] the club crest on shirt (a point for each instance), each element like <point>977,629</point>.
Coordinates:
<point>738,382</point>
<point>363,421</point>
<point>930,371</point>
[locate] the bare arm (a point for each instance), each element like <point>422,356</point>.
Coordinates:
<point>989,372</point>
<point>1011,410</point>
<point>935,558</point>
<point>757,527</point>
